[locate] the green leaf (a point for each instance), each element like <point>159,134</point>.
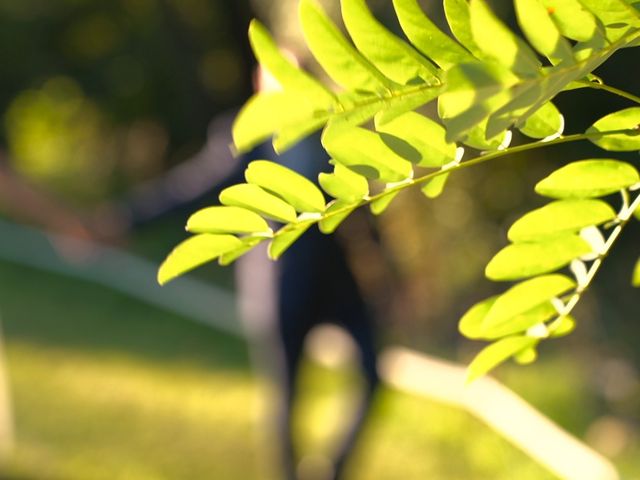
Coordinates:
<point>344,184</point>
<point>617,16</point>
<point>521,260</point>
<point>194,252</point>
<point>292,187</point>
<point>628,118</point>
<point>636,275</point>
<point>428,38</point>
<point>561,216</point>
<point>286,237</point>
<point>336,55</point>
<point>525,357</point>
<point>541,31</point>
<point>287,74</point>
<point>391,55</point>
<point>254,198</point>
<point>562,326</point>
<point>365,153</point>
<point>434,187</point>
<point>547,122</point>
<point>525,296</point>
<point>231,256</point>
<point>405,102</point>
<point>476,138</point>
<point>473,91</point>
<point>588,179</point>
<point>496,353</point>
<point>379,205</point>
<point>572,19</point>
<point>472,324</point>
<point>499,43</point>
<point>530,94</point>
<point>520,322</point>
<point>459,19</point>
<point>226,220</point>
<point>418,139</point>
<point>331,221</point>
<point>291,133</point>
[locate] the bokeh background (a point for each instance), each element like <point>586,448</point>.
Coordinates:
<point>98,97</point>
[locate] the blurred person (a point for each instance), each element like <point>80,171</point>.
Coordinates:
<point>280,303</point>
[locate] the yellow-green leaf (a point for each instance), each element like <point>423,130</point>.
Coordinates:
<point>342,62</point>
<point>344,184</point>
<point>541,31</point>
<point>391,55</point>
<point>636,275</point>
<point>292,187</point>
<point>546,122</point>
<point>364,152</point>
<point>521,260</point>
<point>194,252</point>
<point>225,219</point>
<point>332,220</point>
<point>286,238</point>
<point>628,118</point>
<point>526,295</point>
<point>498,42</point>
<point>588,179</point>
<point>496,353</point>
<point>434,187</point>
<point>254,198</point>
<point>428,38</point>
<point>418,139</point>
<point>561,216</point>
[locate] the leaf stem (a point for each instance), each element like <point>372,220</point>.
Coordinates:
<point>623,217</point>
<point>614,91</point>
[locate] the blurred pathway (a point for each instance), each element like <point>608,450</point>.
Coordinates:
<point>409,371</point>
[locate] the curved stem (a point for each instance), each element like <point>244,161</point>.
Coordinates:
<point>614,91</point>
<point>623,218</point>
<point>469,163</point>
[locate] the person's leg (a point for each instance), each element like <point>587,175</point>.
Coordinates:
<point>360,328</point>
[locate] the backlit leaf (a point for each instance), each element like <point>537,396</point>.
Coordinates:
<point>520,260</point>
<point>561,216</point>
<point>496,353</point>
<point>572,19</point>
<point>428,38</point>
<point>588,179</point>
<point>332,220</point>
<point>364,152</point>
<point>295,189</point>
<point>418,139</point>
<point>286,237</point>
<point>379,205</point>
<point>546,122</point>
<point>434,187</point>
<point>286,73</point>
<point>628,118</point>
<point>342,62</point>
<point>636,275</point>
<point>562,326</point>
<point>254,198</point>
<point>541,31</point>
<point>226,220</point>
<point>194,252</point>
<point>617,16</point>
<point>459,19</point>
<point>525,296</point>
<point>344,184</point>
<point>391,55</point>
<point>498,42</point>
<point>247,244</point>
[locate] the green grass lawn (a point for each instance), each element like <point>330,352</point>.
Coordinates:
<point>105,387</point>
